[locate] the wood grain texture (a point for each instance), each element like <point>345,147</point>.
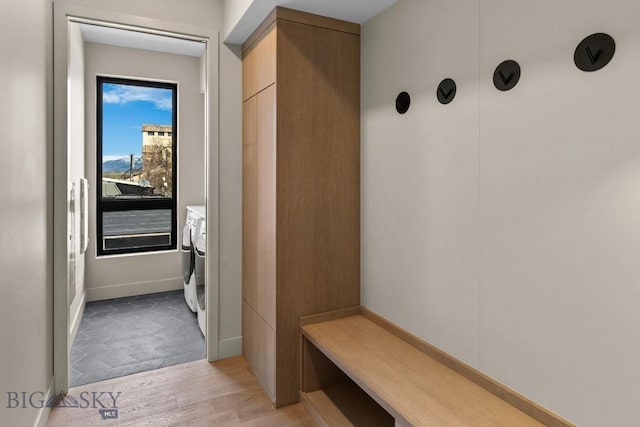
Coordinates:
<point>512,397</point>
<point>307,179</point>
<point>318,371</point>
<point>223,393</point>
<point>332,398</point>
<point>330,315</point>
<point>259,348</point>
<point>266,205</point>
<point>344,405</point>
<point>249,202</point>
<point>413,387</point>
<point>317,413</point>
<point>259,64</point>
<point>318,184</point>
<point>285,14</point>
<point>259,32</point>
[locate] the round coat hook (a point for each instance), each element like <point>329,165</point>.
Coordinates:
<point>403,101</point>
<point>507,75</point>
<point>594,52</point>
<point>446,91</point>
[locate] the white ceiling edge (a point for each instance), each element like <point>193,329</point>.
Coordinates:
<point>358,11</point>
<point>140,40</point>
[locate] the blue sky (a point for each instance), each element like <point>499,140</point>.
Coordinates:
<point>125,109</point>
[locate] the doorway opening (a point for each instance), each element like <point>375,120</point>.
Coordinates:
<point>134,158</point>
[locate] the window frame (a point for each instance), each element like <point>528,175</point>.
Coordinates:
<point>142,204</point>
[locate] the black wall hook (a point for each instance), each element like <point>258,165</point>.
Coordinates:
<point>446,91</point>
<point>594,52</point>
<point>507,75</point>
<point>403,101</point>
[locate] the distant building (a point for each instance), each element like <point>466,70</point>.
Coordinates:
<point>118,188</point>
<point>157,157</point>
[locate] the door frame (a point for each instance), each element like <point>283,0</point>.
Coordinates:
<point>63,14</point>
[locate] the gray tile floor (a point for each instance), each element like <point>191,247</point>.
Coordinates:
<point>124,336</point>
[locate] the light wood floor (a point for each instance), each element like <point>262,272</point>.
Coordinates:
<point>224,393</point>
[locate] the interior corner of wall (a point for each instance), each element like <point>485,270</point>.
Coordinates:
<point>230,347</point>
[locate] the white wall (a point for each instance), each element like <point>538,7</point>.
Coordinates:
<point>118,276</point>
<point>208,13</point>
<point>504,227</point>
<point>242,17</point>
<point>233,10</point>
<point>560,210</point>
<point>420,172</point>
<point>76,166</point>
<point>25,246</point>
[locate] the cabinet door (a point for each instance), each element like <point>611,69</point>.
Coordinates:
<point>266,204</point>
<point>249,205</point>
<point>259,64</point>
<point>258,341</point>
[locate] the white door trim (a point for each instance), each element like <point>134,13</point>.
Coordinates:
<point>62,15</point>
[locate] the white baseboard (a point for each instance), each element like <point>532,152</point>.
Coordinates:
<point>43,413</point>
<point>76,319</point>
<point>132,289</point>
<point>230,347</point>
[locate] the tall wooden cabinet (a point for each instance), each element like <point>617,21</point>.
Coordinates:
<point>301,186</point>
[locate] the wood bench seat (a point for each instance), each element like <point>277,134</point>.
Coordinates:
<point>412,387</point>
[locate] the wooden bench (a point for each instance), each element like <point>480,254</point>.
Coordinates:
<point>360,370</point>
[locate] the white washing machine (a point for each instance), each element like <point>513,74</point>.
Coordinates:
<point>201,250</point>
<point>190,233</point>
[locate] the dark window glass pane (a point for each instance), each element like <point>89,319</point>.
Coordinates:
<point>136,228</point>
<point>136,242</point>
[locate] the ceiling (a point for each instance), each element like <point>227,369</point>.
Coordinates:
<point>139,40</point>
<point>252,14</point>
<point>358,11</point>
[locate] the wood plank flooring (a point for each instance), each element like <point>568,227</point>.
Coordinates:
<point>223,393</point>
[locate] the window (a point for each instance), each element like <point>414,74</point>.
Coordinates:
<point>136,197</point>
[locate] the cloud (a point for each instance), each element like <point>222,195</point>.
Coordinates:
<point>123,94</point>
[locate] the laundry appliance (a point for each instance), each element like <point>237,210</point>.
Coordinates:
<point>201,249</point>
<point>190,233</point>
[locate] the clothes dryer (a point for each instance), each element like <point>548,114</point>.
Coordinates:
<point>201,250</point>
<point>195,216</point>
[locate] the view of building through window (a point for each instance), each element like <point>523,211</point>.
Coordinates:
<point>149,174</point>
<point>136,157</point>
<point>157,158</point>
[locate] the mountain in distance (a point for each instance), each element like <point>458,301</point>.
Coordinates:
<point>121,165</point>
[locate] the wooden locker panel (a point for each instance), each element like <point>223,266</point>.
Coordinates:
<point>259,348</point>
<point>248,72</point>
<point>318,184</point>
<point>266,205</point>
<point>266,357</point>
<point>249,336</point>
<point>259,64</point>
<point>301,195</point>
<point>249,202</point>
